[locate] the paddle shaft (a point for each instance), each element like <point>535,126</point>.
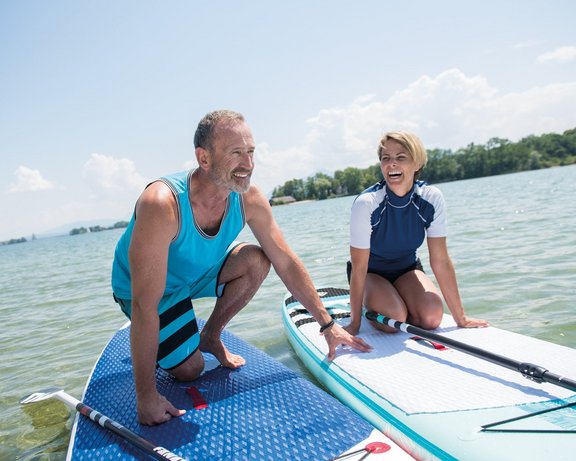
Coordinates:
<point>146,446</point>
<point>528,370</point>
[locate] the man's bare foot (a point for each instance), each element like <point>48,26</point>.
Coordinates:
<point>217,349</point>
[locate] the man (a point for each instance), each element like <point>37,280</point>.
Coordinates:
<point>178,247</point>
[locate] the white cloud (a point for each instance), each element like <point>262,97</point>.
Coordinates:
<point>107,175</point>
<point>449,111</point>
<point>561,55</point>
<point>29,180</point>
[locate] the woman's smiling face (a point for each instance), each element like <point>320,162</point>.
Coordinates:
<point>398,167</point>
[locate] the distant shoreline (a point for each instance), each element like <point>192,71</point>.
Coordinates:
<point>74,231</point>
<point>14,241</point>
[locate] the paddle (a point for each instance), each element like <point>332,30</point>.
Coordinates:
<point>528,370</point>
<point>146,446</point>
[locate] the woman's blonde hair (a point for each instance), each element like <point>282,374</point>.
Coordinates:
<point>411,143</point>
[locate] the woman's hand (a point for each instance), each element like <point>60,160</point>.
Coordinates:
<point>353,328</point>
<point>469,322</point>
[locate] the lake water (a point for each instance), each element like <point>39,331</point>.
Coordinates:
<point>512,239</point>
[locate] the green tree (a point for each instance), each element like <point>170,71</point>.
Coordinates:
<point>352,181</point>
<point>497,156</point>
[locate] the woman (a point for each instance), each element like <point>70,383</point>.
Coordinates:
<point>388,224</point>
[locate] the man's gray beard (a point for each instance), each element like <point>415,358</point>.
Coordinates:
<point>230,184</point>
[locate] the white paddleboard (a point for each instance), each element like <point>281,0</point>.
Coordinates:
<point>433,401</point>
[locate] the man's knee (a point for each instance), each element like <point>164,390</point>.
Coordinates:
<point>256,260</point>
<point>191,369</point>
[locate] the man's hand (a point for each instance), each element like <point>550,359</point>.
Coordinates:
<point>156,409</point>
<point>336,335</point>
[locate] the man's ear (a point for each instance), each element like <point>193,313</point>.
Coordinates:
<point>203,158</point>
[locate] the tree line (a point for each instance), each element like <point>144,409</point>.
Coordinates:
<point>13,241</point>
<point>497,156</point>
<point>84,230</point>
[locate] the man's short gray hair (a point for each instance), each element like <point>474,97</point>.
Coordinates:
<point>205,131</point>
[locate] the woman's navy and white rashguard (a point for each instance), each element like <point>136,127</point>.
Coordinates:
<point>393,227</point>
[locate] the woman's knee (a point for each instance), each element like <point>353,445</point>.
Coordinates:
<point>429,315</point>
<point>393,308</point>
<point>429,322</point>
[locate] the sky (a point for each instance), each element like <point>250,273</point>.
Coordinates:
<point>97,98</point>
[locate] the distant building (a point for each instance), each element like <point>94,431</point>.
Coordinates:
<point>284,200</point>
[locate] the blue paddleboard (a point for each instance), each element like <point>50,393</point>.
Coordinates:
<point>261,411</point>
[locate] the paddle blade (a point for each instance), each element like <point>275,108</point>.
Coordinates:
<point>44,394</point>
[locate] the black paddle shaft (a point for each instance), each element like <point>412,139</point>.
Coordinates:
<point>528,370</point>
<point>146,446</point>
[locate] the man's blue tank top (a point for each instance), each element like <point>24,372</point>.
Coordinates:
<point>192,252</point>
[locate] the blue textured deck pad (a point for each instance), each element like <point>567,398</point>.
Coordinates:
<point>262,411</point>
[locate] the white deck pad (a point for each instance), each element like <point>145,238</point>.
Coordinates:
<point>430,388</point>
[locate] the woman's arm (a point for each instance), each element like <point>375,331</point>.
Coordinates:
<point>359,258</point>
<point>445,274</point>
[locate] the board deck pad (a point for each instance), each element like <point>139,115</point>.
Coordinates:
<point>409,388</point>
<point>261,411</point>
<point>484,385</point>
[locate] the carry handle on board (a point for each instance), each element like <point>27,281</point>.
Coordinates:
<point>146,446</point>
<point>528,370</point>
